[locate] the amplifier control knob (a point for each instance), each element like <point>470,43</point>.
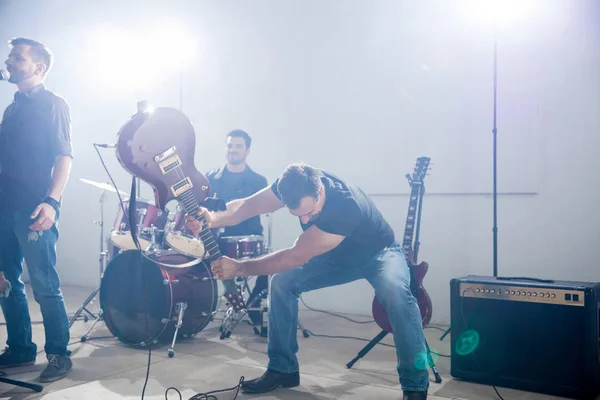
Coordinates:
<point>553,295</point>
<point>534,294</point>
<point>507,292</point>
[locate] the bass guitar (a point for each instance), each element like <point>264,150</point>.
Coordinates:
<point>158,147</point>
<point>411,233</point>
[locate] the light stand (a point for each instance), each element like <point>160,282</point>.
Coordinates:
<point>495,131</point>
<point>495,190</point>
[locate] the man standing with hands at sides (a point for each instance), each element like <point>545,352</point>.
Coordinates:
<point>236,180</point>
<point>344,238</point>
<point>35,164</point>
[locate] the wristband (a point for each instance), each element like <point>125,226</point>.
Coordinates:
<point>55,204</point>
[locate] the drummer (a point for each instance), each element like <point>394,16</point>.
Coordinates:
<point>236,180</point>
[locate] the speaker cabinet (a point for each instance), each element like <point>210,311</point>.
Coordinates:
<point>535,335</point>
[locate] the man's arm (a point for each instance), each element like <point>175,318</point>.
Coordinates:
<point>45,213</point>
<point>310,243</point>
<point>240,210</point>
<point>60,177</point>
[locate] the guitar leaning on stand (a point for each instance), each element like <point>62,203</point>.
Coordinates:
<point>417,271</point>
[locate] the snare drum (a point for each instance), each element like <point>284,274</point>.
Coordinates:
<point>147,216</point>
<point>238,247</point>
<point>179,237</point>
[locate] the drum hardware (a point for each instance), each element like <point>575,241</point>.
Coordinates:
<point>180,310</point>
<point>103,255</point>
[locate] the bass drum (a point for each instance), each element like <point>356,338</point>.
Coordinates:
<point>140,299</point>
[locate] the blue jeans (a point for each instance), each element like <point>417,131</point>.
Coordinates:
<point>389,275</point>
<point>17,241</point>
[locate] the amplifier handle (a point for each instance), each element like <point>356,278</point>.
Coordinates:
<point>521,278</point>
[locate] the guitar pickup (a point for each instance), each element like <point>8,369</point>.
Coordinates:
<point>181,187</point>
<point>169,152</point>
<point>169,164</point>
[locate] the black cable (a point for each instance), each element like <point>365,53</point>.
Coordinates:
<point>208,395</point>
<point>133,227</point>
<point>365,340</point>
<point>335,315</point>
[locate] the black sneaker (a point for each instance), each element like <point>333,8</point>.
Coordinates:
<point>9,359</point>
<point>414,396</point>
<point>58,367</point>
<point>271,380</point>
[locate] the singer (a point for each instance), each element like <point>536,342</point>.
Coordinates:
<point>35,163</point>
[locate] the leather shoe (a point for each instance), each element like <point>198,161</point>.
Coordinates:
<point>271,380</point>
<point>414,396</point>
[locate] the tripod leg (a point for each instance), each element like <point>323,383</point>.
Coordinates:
<point>83,307</point>
<point>367,348</point>
<point>180,310</point>
<point>304,331</point>
<point>436,373</point>
<point>32,386</point>
<point>84,338</point>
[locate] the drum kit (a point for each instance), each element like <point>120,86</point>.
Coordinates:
<point>163,290</point>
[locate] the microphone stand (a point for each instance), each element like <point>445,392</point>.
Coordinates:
<point>32,386</point>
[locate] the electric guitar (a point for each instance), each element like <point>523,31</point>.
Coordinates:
<point>418,271</point>
<point>158,147</point>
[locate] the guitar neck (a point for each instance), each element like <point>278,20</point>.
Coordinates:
<point>409,230</point>
<point>191,206</point>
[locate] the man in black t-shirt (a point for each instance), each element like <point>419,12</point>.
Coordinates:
<point>345,238</point>
<point>35,164</point>
<point>236,180</point>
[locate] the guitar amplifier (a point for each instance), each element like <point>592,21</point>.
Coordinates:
<point>526,334</point>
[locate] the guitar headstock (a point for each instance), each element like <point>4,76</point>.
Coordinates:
<point>421,167</point>
<point>236,299</point>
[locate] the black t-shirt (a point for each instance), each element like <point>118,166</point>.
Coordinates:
<point>348,211</point>
<point>227,186</point>
<point>35,129</point>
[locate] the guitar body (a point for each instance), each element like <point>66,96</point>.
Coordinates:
<point>423,300</point>
<point>158,147</point>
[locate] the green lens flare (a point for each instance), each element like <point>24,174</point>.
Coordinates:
<point>467,342</point>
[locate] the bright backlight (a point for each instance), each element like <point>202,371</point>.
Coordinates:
<point>131,60</point>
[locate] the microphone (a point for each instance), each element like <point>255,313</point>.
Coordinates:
<point>106,145</point>
<point>4,75</point>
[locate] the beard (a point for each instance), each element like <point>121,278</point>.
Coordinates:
<point>18,76</point>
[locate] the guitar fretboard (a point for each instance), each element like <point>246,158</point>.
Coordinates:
<point>409,230</point>
<point>191,206</point>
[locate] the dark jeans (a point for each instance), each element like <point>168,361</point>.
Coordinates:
<point>17,241</point>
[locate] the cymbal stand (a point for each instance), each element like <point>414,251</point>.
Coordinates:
<point>103,256</point>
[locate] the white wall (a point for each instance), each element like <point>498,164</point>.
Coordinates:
<point>246,78</point>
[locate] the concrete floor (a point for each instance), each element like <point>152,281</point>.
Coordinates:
<point>105,369</point>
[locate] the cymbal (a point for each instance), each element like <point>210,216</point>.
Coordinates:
<point>104,186</point>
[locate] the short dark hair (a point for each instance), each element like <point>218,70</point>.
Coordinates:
<point>242,134</point>
<point>297,182</point>
<point>39,51</point>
